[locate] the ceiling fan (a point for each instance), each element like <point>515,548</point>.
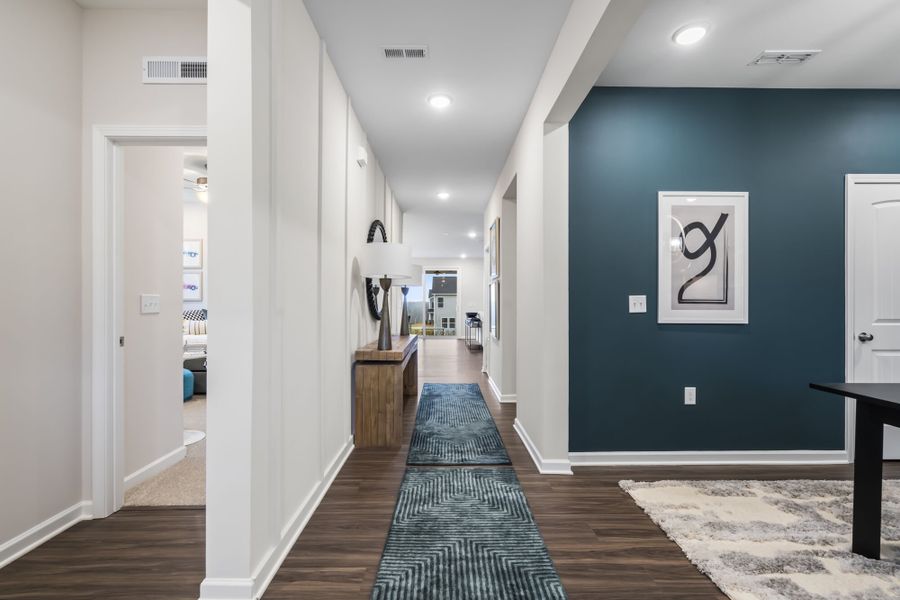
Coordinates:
<point>200,184</point>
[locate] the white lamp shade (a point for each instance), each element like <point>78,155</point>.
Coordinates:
<point>415,276</point>
<point>383,259</point>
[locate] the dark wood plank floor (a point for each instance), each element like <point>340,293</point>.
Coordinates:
<point>602,544</point>
<point>151,553</point>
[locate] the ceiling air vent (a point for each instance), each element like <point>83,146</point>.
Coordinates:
<point>175,69</point>
<point>783,57</point>
<point>403,52</point>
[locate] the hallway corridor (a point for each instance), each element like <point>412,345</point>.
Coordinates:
<point>601,543</point>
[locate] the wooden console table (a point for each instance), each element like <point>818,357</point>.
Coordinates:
<point>383,379</point>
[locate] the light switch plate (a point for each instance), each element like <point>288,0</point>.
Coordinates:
<point>690,396</point>
<point>149,304</point>
<point>637,304</point>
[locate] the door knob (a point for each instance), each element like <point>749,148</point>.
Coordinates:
<point>865,337</point>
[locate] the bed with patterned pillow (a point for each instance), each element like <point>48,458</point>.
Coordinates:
<point>194,332</point>
<point>194,335</point>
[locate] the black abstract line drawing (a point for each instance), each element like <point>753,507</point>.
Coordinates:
<point>707,246</point>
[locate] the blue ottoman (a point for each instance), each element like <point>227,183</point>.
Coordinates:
<point>188,384</point>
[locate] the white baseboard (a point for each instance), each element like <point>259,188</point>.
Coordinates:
<point>713,457</point>
<point>502,398</point>
<point>254,587</point>
<point>40,533</point>
<point>545,466</point>
<point>155,468</point>
<point>226,589</point>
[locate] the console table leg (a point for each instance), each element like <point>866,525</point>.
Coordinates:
<point>411,375</point>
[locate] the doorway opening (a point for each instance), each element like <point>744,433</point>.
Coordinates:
<point>440,303</point>
<point>165,199</point>
<point>106,277</point>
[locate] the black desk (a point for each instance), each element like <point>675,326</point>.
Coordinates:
<point>877,404</point>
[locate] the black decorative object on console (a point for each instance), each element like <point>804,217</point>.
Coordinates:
<point>372,289</point>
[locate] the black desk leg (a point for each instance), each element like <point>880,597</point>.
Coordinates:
<point>867,482</point>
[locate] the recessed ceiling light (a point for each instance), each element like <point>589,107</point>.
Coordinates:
<point>689,34</point>
<point>443,195</point>
<point>440,100</point>
<point>473,235</point>
<point>462,255</point>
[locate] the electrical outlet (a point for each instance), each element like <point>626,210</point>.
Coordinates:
<point>637,304</point>
<point>690,396</point>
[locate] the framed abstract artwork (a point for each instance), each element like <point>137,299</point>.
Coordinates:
<point>703,257</point>
<point>494,312</point>
<point>192,287</point>
<point>192,254</point>
<point>494,249</point>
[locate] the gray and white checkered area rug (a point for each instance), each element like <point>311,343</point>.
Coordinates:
<point>776,540</point>
<point>464,534</point>
<point>455,427</point>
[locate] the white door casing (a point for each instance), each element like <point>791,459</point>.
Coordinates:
<point>873,285</point>
<point>103,275</point>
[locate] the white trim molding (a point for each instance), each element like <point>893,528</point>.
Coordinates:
<point>103,275</point>
<point>156,467</point>
<point>545,466</point>
<point>40,533</point>
<point>255,587</point>
<point>713,457</point>
<point>501,398</point>
<point>227,589</point>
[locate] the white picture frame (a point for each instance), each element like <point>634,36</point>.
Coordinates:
<point>494,250</point>
<point>192,254</point>
<point>494,310</point>
<point>703,257</point>
<point>192,286</point>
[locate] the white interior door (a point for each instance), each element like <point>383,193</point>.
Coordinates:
<point>873,243</point>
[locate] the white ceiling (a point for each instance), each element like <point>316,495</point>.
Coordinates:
<point>443,234</point>
<point>859,39</point>
<point>487,55</point>
<point>142,3</point>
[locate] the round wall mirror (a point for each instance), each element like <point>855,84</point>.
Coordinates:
<point>372,288</point>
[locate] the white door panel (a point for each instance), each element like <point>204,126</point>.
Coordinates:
<point>873,211</point>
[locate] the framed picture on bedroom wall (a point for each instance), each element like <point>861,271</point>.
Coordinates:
<point>494,312</point>
<point>494,249</point>
<point>192,287</point>
<point>703,257</point>
<point>192,254</point>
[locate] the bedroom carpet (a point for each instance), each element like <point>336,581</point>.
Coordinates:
<point>776,540</point>
<point>454,427</point>
<point>464,534</point>
<point>182,484</point>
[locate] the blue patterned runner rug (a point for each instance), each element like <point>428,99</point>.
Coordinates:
<point>464,534</point>
<point>454,427</point>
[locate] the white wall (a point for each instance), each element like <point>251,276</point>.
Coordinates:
<point>112,94</point>
<point>538,163</point>
<point>196,214</point>
<point>153,210</point>
<point>288,303</point>
<point>40,240</point>
<point>83,69</point>
<point>334,291</point>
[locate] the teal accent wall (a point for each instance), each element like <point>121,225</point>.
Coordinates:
<point>790,149</point>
